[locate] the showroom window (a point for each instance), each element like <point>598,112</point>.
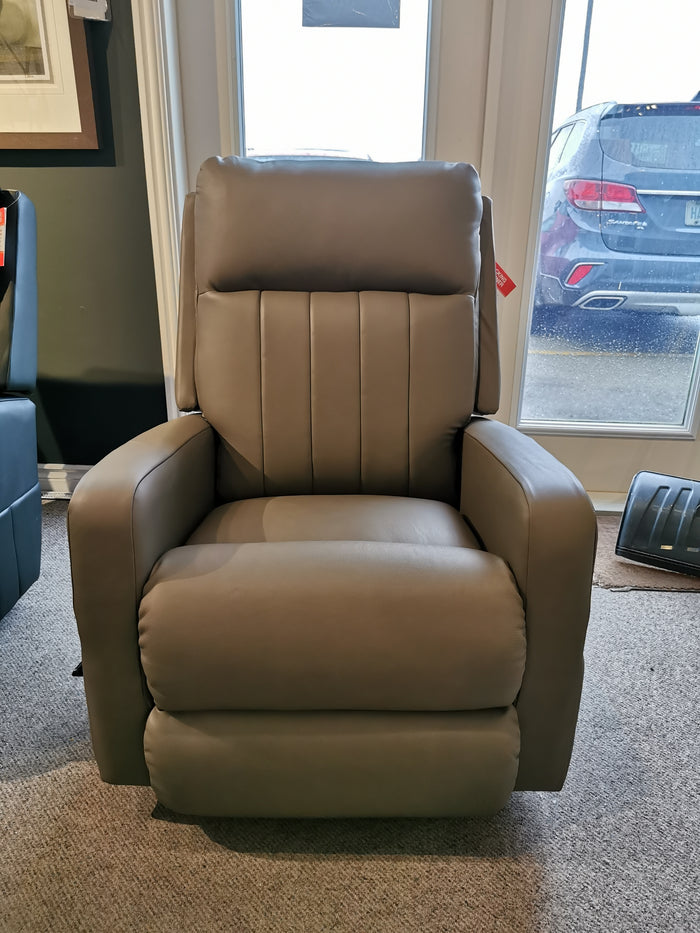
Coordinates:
<point>334,77</point>
<point>614,343</point>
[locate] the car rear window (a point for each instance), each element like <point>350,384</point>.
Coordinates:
<point>651,136</point>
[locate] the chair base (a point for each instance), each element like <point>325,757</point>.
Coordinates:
<point>333,764</point>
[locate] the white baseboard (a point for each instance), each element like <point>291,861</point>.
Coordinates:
<point>608,503</point>
<point>58,480</point>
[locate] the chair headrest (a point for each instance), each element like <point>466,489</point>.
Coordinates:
<point>337,225</point>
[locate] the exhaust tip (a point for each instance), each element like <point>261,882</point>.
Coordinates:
<point>602,304</point>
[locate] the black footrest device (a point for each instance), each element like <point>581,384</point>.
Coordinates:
<point>661,523</point>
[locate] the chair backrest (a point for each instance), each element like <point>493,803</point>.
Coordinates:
<point>328,326</point>
<point>18,292</point>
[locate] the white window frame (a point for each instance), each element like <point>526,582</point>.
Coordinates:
<point>157,66</point>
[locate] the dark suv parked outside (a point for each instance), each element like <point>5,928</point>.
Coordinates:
<point>621,219</point>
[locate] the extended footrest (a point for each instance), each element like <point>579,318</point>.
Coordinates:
<point>333,763</point>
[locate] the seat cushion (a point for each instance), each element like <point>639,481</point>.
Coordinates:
<point>336,518</point>
<point>331,625</point>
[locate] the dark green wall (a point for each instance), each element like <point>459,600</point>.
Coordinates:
<point>100,373</point>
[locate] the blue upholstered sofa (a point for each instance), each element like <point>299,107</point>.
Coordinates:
<point>20,497</point>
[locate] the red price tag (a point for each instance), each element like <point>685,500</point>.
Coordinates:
<point>3,227</point>
<point>504,283</point>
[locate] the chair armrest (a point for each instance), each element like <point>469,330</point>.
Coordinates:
<point>141,500</point>
<point>531,510</point>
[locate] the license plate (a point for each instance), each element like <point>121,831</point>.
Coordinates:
<point>692,213</point>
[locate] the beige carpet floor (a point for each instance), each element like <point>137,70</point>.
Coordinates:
<point>96,858</point>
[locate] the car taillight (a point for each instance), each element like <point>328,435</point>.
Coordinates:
<point>602,196</point>
<point>579,272</point>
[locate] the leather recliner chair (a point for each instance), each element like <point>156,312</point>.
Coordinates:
<point>340,590</point>
<point>20,495</point>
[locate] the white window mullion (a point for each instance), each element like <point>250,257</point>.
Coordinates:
<point>157,66</point>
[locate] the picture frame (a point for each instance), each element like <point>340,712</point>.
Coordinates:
<point>46,98</point>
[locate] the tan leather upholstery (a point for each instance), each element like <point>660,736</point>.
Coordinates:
<point>120,520</point>
<point>426,239</point>
<point>345,764</point>
<point>349,348</point>
<point>362,642</point>
<point>337,226</point>
<point>335,518</point>
<point>335,392</point>
<point>539,520</point>
<point>282,611</point>
<point>185,389</point>
<point>488,384</point>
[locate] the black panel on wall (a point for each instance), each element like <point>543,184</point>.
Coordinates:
<point>100,371</point>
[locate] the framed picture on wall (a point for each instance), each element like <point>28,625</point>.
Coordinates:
<point>45,91</point>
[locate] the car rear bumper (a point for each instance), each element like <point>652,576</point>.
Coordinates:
<point>662,284</point>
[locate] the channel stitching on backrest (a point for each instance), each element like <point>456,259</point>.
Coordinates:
<point>336,391</point>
